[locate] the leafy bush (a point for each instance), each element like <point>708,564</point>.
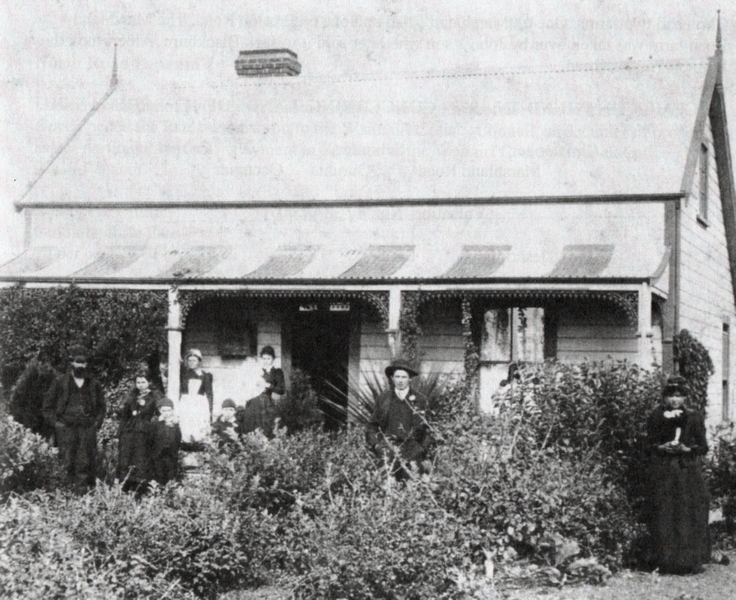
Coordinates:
<point>38,559</point>
<point>551,478</point>
<point>299,409</point>
<point>392,542</point>
<point>695,366</point>
<point>27,461</point>
<point>121,328</point>
<point>721,470</point>
<point>564,456</point>
<point>27,396</point>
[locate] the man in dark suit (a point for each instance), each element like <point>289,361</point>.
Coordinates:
<point>74,406</point>
<point>399,422</point>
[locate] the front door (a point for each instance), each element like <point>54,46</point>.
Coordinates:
<point>320,345</point>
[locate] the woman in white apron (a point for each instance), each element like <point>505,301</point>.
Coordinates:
<point>195,403</point>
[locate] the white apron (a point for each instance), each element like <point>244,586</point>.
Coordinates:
<point>194,413</point>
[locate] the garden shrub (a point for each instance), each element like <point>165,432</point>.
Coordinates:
<point>394,542</point>
<point>551,478</point>
<point>27,396</point>
<point>563,456</point>
<point>174,539</point>
<point>27,461</point>
<point>120,327</point>
<point>40,560</point>
<point>299,409</point>
<point>721,471</point>
<point>696,366</point>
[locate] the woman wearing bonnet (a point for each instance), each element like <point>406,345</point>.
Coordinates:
<point>679,526</point>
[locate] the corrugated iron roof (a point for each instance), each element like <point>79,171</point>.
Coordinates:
<point>211,136</point>
<point>583,260</point>
<point>29,262</point>
<point>286,262</point>
<point>194,262</point>
<point>297,264</point>
<point>478,261</point>
<point>111,261</point>
<point>379,262</point>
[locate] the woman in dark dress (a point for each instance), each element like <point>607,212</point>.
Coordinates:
<point>679,527</point>
<point>260,412</point>
<point>135,450</point>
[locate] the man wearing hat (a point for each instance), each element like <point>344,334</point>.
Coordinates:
<point>74,406</point>
<point>399,421</point>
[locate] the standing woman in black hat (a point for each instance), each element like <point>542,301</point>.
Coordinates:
<point>679,526</point>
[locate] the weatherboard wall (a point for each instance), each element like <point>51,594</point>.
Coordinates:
<point>706,286</point>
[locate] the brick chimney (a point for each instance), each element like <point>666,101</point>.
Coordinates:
<point>267,63</point>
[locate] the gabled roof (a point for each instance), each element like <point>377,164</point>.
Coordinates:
<point>591,130</point>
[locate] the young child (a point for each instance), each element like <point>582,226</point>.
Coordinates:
<point>134,450</point>
<point>225,429</point>
<point>166,442</point>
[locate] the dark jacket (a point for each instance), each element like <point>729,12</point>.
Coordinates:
<point>166,443</point>
<point>660,430</point>
<point>403,423</point>
<point>276,378</point>
<point>57,397</point>
<point>141,420</point>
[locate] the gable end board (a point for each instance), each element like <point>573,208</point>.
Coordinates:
<point>724,167</point>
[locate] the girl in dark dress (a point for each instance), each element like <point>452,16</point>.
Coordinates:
<point>679,527</point>
<point>135,446</point>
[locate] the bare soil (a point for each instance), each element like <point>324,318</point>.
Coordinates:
<point>718,582</point>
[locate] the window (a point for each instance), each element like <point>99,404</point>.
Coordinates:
<point>703,206</point>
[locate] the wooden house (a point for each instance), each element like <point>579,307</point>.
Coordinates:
<point>580,211</point>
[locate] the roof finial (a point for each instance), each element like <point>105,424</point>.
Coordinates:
<point>719,49</point>
<point>114,78</point>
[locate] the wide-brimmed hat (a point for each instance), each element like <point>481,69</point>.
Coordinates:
<point>78,353</point>
<point>400,365</point>
<point>675,385</point>
<point>194,352</point>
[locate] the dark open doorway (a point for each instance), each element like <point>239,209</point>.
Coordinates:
<point>320,346</point>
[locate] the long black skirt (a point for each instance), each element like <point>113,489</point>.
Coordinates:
<point>680,503</point>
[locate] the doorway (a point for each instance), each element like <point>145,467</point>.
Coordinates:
<point>320,346</point>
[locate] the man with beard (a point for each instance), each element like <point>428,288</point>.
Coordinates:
<point>74,406</point>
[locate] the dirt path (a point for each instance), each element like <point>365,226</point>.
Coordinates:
<point>716,583</point>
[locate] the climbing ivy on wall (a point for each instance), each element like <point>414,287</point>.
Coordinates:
<point>695,365</point>
<point>409,326</point>
<point>120,328</point>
